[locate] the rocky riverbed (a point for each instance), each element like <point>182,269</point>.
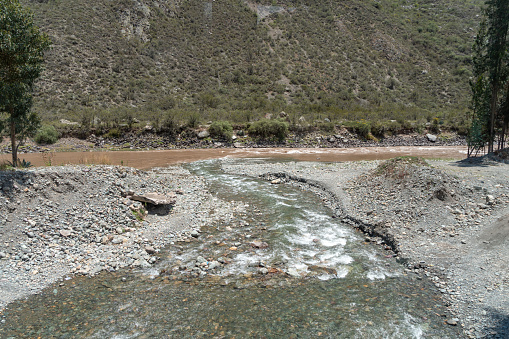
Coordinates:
<point>448,222</point>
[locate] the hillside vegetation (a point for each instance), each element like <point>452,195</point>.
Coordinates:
<point>196,61</point>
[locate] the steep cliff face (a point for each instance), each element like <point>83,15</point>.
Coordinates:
<point>235,55</point>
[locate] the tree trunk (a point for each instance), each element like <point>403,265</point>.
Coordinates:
<point>493,109</point>
<point>13,141</point>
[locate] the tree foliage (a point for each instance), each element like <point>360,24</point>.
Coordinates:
<point>22,49</point>
<point>490,86</point>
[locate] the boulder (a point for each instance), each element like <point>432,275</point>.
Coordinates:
<point>153,198</point>
<point>431,137</point>
<point>203,134</point>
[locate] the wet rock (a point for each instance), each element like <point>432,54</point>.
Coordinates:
<point>452,321</point>
<point>214,264</point>
<point>322,269</point>
<point>293,272</point>
<point>259,244</point>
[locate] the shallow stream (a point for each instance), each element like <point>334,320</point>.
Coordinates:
<point>285,268</point>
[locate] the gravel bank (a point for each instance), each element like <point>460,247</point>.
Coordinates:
<point>59,221</point>
<point>448,223</point>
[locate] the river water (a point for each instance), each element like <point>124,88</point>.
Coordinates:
<point>151,159</point>
<point>291,271</point>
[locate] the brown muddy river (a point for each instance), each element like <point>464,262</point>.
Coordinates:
<point>150,159</point>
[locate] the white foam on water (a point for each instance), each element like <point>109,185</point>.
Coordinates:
<point>280,203</point>
<point>414,326</point>
<point>335,259</point>
<point>376,274</point>
<point>332,242</point>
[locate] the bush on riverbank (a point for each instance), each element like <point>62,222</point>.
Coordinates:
<point>221,130</point>
<point>47,134</point>
<point>269,129</point>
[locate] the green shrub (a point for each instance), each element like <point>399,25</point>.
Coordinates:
<point>406,126</point>
<point>393,127</point>
<point>435,126</point>
<point>326,127</point>
<point>221,130</point>
<point>47,134</point>
<point>269,129</point>
<point>193,120</point>
<point>169,125</point>
<point>362,128</point>
<point>113,133</point>
<point>378,129</point>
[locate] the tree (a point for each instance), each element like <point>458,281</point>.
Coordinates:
<point>491,69</point>
<point>22,49</point>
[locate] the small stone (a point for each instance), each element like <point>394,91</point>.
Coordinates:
<point>293,272</point>
<point>150,249</point>
<point>65,233</point>
<point>453,321</point>
<point>490,200</point>
<point>195,234</point>
<point>214,264</point>
<point>263,270</point>
<point>259,244</point>
<point>118,239</point>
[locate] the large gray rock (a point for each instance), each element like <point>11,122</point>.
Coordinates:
<point>153,198</point>
<point>203,134</point>
<point>431,137</point>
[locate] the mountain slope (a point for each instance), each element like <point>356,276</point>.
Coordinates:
<point>239,60</point>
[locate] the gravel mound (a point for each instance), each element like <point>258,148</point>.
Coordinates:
<point>58,221</point>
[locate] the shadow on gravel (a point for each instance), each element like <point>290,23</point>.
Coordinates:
<point>159,209</point>
<point>477,162</point>
<point>500,321</point>
<point>12,182</point>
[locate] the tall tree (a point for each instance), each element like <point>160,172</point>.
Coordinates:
<point>22,49</point>
<point>491,73</point>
